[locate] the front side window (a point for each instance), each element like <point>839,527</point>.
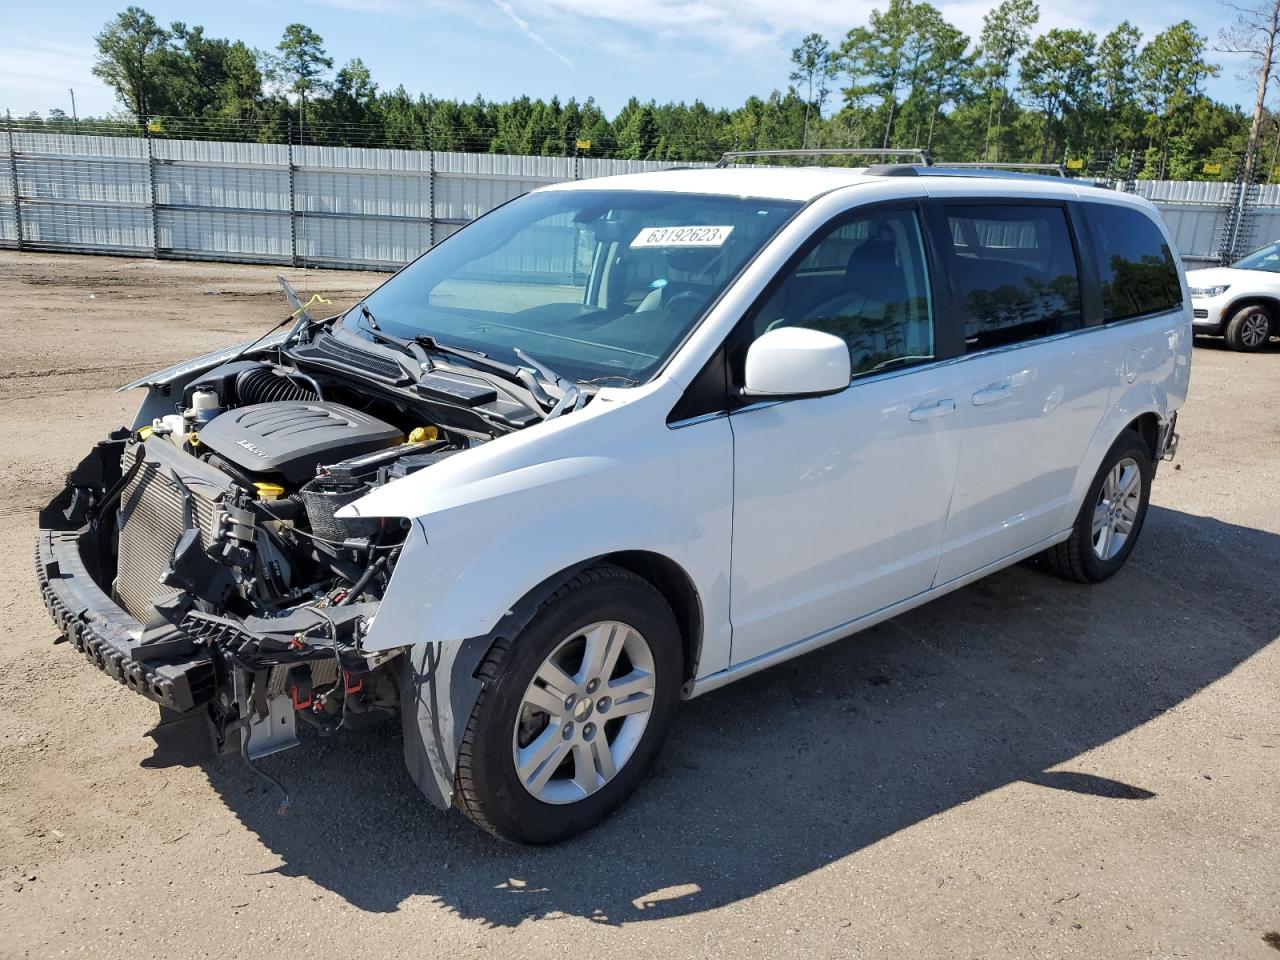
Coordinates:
<point>1014,269</point>
<point>600,285</point>
<point>1135,265</point>
<point>865,281</point>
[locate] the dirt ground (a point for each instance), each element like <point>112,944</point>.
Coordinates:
<point>1025,768</point>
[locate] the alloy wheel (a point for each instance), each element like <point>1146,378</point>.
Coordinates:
<point>1116,511</point>
<point>584,712</point>
<point>1255,329</point>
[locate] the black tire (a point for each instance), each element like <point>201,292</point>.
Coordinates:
<point>1242,329</point>
<point>487,788</point>
<point>1075,558</point>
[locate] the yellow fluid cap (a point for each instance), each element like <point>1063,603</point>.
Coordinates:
<point>193,438</point>
<point>423,434</point>
<point>268,491</point>
<point>145,432</point>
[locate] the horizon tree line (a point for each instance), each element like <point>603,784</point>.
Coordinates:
<point>906,78</point>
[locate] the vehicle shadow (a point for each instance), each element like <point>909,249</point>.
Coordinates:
<point>786,771</point>
<point>1217,343</point>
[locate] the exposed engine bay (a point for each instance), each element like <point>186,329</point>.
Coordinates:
<point>214,528</point>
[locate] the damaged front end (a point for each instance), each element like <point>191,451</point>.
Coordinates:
<point>198,561</point>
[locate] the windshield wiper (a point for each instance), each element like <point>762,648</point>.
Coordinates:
<point>571,395</point>
<point>522,375</point>
<point>411,347</point>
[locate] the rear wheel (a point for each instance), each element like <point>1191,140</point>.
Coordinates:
<point>1250,328</point>
<point>573,710</point>
<point>1109,522</point>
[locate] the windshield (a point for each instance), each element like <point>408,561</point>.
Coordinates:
<point>599,285</point>
<point>1268,259</point>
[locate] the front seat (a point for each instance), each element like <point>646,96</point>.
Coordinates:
<point>869,310</point>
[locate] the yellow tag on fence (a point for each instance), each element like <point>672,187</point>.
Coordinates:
<point>1075,164</point>
<point>1213,168</point>
<point>582,144</point>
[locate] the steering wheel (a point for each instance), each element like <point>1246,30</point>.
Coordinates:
<point>682,295</point>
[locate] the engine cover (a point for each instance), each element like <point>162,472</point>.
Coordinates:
<point>291,438</point>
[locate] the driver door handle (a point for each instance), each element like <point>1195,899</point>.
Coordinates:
<point>933,410</point>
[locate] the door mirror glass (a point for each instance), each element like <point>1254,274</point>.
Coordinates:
<point>796,362</point>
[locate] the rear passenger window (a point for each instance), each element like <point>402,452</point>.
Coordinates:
<point>1015,273</point>
<point>1135,265</point>
<point>865,281</point>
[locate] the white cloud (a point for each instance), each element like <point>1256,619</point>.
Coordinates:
<point>35,75</point>
<point>523,26</point>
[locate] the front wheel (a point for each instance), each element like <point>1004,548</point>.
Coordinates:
<point>1249,329</point>
<point>573,709</point>
<point>1108,524</point>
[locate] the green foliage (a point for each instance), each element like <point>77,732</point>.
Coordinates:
<point>905,78</point>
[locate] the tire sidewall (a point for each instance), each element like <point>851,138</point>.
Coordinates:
<point>510,808</point>
<point>1235,328</point>
<point>1128,446</point>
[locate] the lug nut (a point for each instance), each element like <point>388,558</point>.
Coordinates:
<point>593,686</point>
<point>603,704</point>
<point>568,730</point>
<point>588,731</point>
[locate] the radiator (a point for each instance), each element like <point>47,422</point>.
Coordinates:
<point>153,515</point>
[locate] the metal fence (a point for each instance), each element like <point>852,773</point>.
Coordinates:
<point>377,208</point>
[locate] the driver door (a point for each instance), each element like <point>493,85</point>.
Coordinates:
<point>840,502</point>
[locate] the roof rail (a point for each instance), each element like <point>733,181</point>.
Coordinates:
<point>1052,169</point>
<point>733,156</point>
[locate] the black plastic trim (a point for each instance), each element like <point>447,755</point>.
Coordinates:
<point>106,634</point>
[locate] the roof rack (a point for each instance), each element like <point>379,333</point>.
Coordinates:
<point>733,156</point>
<point>1051,169</point>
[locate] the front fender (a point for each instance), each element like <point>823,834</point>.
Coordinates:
<point>459,574</point>
<point>485,528</point>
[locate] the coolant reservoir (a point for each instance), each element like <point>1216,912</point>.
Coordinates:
<point>204,407</point>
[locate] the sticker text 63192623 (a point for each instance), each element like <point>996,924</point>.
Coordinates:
<point>692,236</point>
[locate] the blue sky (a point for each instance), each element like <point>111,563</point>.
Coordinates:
<point>717,50</point>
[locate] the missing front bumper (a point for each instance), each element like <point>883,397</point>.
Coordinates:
<point>108,636</point>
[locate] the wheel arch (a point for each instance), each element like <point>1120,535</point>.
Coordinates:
<point>1251,300</point>
<point>1140,409</point>
<point>1147,426</point>
<point>665,575</point>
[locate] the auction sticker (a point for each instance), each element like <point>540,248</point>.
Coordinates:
<point>694,236</point>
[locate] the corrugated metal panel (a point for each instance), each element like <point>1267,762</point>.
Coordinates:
<point>1195,231</point>
<point>1269,195</point>
<point>8,222</point>
<point>354,242</point>
<point>80,146</point>
<point>226,234</point>
<point>216,151</point>
<point>80,226</point>
<point>230,187</point>
<point>358,206</point>
<point>1183,191</point>
<point>358,194</point>
<point>1265,228</point>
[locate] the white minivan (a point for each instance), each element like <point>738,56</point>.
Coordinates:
<point>618,443</point>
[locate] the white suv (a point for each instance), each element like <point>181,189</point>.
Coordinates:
<point>616,444</point>
<point>1240,302</point>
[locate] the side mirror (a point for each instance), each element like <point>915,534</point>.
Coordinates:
<point>796,362</point>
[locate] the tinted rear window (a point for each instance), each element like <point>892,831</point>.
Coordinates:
<point>1135,265</point>
<point>1014,268</point>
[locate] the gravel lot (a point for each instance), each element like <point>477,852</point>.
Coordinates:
<point>1024,768</point>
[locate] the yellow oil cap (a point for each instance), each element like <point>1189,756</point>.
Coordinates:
<point>423,434</point>
<point>145,432</point>
<point>193,438</point>
<point>268,491</point>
